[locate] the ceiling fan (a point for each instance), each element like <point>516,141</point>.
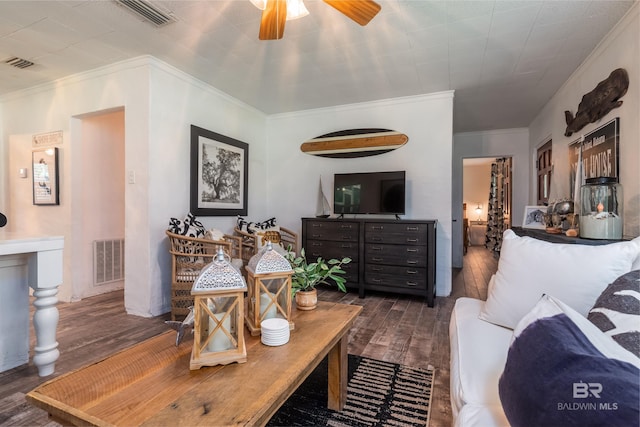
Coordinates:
<point>274,14</point>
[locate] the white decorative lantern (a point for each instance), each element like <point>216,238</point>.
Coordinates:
<point>218,315</point>
<point>268,289</point>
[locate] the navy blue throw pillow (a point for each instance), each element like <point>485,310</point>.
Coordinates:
<point>617,311</point>
<point>561,370</point>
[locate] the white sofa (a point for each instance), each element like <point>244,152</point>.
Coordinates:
<point>527,269</point>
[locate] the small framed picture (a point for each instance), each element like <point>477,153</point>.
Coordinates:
<point>534,217</point>
<point>45,176</point>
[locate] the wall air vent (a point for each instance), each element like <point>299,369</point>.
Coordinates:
<point>148,12</point>
<point>19,62</point>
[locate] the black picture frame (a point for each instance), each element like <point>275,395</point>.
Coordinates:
<point>600,154</point>
<point>46,180</point>
<point>219,174</point>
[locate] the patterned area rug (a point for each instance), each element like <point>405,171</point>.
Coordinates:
<point>379,394</point>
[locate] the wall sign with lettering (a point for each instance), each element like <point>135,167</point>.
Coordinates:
<point>47,139</point>
<point>600,153</point>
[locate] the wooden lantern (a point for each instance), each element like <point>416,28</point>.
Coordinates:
<point>268,289</point>
<point>218,315</point>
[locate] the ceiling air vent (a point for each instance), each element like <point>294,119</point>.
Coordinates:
<point>19,62</point>
<point>148,11</point>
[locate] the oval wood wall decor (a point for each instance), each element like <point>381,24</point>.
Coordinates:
<point>352,143</point>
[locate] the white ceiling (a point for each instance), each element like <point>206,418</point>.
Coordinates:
<point>504,59</point>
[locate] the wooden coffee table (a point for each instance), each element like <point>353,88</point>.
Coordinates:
<point>151,384</point>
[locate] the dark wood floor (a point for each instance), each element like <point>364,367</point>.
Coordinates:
<point>395,328</point>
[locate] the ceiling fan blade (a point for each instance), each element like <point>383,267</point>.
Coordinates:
<point>273,19</point>
<point>361,11</point>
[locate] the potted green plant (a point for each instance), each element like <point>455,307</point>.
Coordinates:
<point>306,276</point>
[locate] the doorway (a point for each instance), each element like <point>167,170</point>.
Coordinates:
<point>98,193</point>
<point>477,207</point>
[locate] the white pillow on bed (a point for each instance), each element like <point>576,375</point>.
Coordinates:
<point>575,274</point>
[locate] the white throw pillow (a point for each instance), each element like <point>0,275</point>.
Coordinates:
<point>575,274</point>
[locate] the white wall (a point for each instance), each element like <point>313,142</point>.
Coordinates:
<point>177,101</point>
<point>619,49</point>
<point>426,158</point>
<point>512,143</point>
<point>160,103</point>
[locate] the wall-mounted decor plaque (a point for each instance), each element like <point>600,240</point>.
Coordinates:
<point>352,143</point>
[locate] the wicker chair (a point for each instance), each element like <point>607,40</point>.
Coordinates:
<point>189,255</point>
<point>250,245</point>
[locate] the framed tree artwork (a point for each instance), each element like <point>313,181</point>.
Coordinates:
<point>219,174</point>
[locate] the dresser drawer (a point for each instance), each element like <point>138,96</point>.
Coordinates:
<point>350,272</point>
<point>403,255</point>
<point>327,250</point>
<point>343,231</point>
<point>402,277</point>
<point>404,234</point>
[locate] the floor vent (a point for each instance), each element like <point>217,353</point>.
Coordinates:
<point>148,12</point>
<point>19,62</point>
<point>108,261</point>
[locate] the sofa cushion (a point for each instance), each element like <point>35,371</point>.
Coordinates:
<point>575,274</point>
<point>190,227</point>
<point>481,416</point>
<point>251,227</point>
<point>478,354</point>
<point>617,311</point>
<point>562,370</point>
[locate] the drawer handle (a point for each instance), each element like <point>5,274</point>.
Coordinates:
<point>376,280</point>
<point>376,269</point>
<point>377,227</point>
<point>412,229</point>
<point>316,254</point>
<point>316,225</point>
<point>346,246</point>
<point>412,250</point>
<point>376,239</point>
<point>412,272</point>
<point>316,244</point>
<point>412,240</point>
<point>377,259</point>
<point>376,248</point>
<point>411,262</point>
<point>315,236</point>
<point>345,226</point>
<point>412,284</point>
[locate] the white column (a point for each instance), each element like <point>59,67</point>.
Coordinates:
<point>45,275</point>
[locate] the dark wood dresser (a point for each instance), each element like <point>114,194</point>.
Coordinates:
<point>387,255</point>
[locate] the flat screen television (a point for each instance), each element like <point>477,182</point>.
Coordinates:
<point>369,193</point>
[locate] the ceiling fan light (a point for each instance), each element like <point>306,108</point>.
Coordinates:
<point>295,9</point>
<point>260,4</point>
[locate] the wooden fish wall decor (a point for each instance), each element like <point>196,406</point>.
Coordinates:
<point>597,103</point>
